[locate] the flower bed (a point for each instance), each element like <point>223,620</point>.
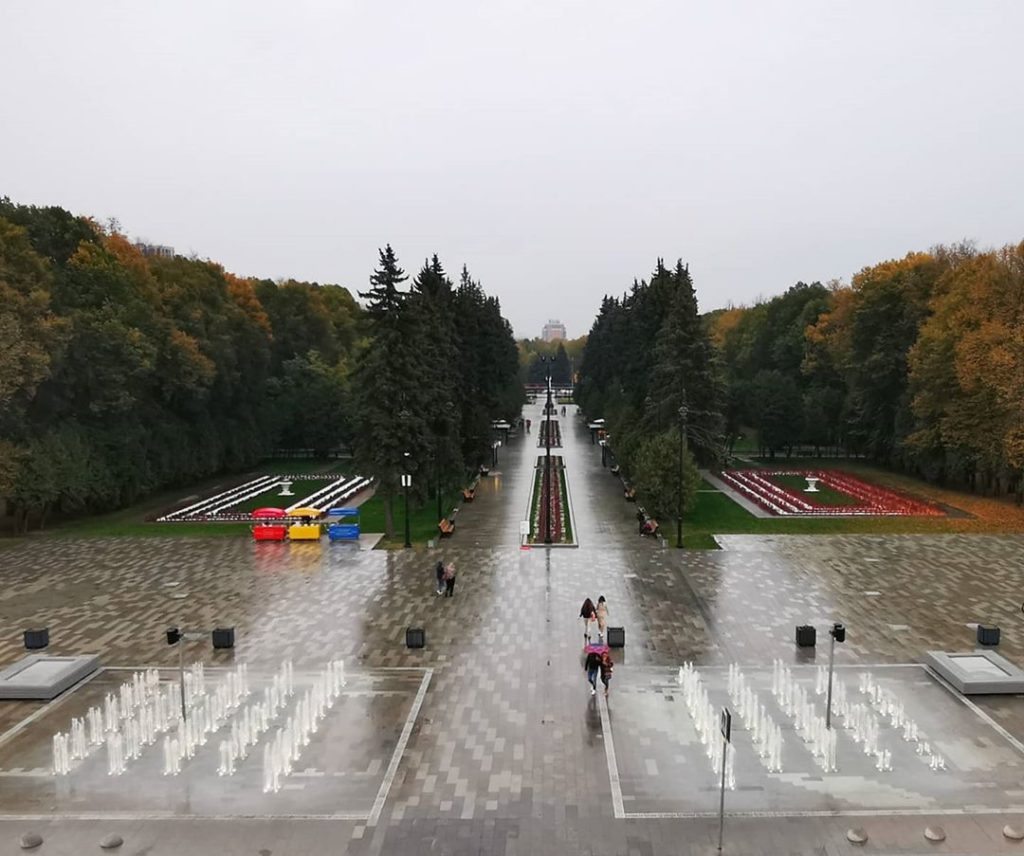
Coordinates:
<point>556,509</point>
<point>236,504</point>
<point>556,433</point>
<point>866,500</point>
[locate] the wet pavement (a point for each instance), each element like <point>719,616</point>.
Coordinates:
<point>506,751</point>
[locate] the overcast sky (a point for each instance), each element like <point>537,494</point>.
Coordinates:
<point>557,148</point>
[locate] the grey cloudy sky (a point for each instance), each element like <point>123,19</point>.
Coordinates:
<point>555,147</point>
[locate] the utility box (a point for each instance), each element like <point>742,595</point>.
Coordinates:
<point>806,636</point>
<point>37,639</point>
<point>224,637</point>
<point>988,634</point>
<point>415,637</point>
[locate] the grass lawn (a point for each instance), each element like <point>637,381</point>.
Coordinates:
<point>422,520</point>
<point>825,495</point>
<point>714,513</point>
<point>132,521</point>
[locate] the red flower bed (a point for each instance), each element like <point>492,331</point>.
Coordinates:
<point>556,433</point>
<point>873,501</point>
<point>553,508</point>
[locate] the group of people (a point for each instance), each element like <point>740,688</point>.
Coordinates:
<point>598,661</point>
<point>445,578</point>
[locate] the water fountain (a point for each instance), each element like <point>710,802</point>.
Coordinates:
<point>775,749</point>
<point>95,719</point>
<point>115,754</point>
<point>61,754</point>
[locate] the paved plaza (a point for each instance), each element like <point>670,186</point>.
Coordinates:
<point>487,741</point>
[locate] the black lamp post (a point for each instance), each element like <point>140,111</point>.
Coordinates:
<point>679,486</point>
<point>838,634</point>
<point>547,451</point>
<point>406,484</point>
<point>448,410</point>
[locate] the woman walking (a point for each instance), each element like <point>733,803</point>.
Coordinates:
<point>601,614</point>
<point>587,612</point>
<point>449,580</point>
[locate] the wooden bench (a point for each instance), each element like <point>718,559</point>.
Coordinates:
<point>446,527</point>
<point>630,494</point>
<point>468,494</point>
<point>650,526</point>
<point>615,470</point>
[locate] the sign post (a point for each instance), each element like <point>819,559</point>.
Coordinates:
<point>726,729</point>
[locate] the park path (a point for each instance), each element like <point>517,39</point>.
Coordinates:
<point>602,517</point>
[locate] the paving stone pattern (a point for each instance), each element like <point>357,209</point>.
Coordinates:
<point>507,755</point>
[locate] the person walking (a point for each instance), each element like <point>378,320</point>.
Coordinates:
<point>529,422</point>
<point>640,520</point>
<point>587,613</point>
<point>592,667</point>
<point>607,667</point>
<point>449,580</point>
<point>601,614</point>
<point>439,572</point>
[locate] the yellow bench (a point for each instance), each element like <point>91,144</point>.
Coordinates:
<point>304,532</point>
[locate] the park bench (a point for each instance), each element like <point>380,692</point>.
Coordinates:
<point>446,527</point>
<point>650,526</point>
<point>468,494</point>
<point>630,494</point>
<point>615,470</point>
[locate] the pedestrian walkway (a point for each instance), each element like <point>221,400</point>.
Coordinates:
<point>507,752</point>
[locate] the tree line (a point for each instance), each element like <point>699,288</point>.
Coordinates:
<point>444,365</point>
<point>648,369</point>
<point>121,374</point>
<point>564,357</point>
<point>917,364</point>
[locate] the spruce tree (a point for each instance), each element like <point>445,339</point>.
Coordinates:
<point>389,416</point>
<point>684,372</point>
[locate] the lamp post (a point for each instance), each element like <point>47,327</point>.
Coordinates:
<point>838,634</point>
<point>406,484</point>
<point>679,485</point>
<point>547,361</point>
<point>447,412</point>
<point>222,638</point>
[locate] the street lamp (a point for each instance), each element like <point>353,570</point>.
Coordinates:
<point>679,486</point>
<point>406,484</point>
<point>223,637</point>
<point>445,419</point>
<point>547,361</point>
<point>838,634</point>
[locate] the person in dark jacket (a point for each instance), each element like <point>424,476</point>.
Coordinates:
<point>439,572</point>
<point>588,613</point>
<point>593,666</point>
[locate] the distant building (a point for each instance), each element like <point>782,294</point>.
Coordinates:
<point>553,331</point>
<point>155,250</point>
